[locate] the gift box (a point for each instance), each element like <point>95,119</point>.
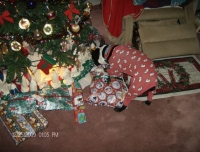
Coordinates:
<point>54,99</point>
<point>22,127</point>
<point>49,99</point>
<point>20,103</point>
<point>79,114</point>
<point>77,94</point>
<point>106,90</point>
<point>78,103</point>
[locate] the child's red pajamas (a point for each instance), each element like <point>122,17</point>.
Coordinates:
<point>136,64</point>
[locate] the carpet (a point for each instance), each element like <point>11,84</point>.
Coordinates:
<point>176,76</point>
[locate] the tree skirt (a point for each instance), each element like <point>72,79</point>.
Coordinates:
<point>176,76</point>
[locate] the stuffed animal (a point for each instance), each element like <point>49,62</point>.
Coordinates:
<point>134,63</point>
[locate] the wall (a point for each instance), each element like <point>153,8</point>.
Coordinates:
<point>95,2</point>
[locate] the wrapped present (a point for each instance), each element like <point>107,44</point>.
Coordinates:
<point>77,94</point>
<point>54,99</point>
<point>20,103</point>
<point>50,99</point>
<point>79,114</point>
<point>106,90</point>
<point>78,103</point>
<point>22,127</point>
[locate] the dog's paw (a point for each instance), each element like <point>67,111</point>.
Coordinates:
<point>120,109</point>
<point>148,102</point>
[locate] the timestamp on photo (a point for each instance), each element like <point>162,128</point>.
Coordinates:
<point>48,134</point>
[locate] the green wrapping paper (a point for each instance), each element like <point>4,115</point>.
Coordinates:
<point>21,103</point>
<point>55,99</point>
<point>22,127</point>
<point>50,99</point>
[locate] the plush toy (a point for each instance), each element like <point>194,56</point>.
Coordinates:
<point>124,59</point>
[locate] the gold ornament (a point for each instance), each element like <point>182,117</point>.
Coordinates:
<point>89,5</point>
<point>75,28</point>
<point>24,24</point>
<point>48,29</point>
<point>16,46</point>
<point>4,49</point>
<point>38,35</point>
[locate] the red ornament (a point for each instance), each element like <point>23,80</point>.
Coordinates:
<point>51,15</point>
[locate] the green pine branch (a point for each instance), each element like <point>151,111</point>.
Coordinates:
<point>16,62</point>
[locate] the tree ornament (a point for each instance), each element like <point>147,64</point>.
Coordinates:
<point>77,19</point>
<point>38,35</point>
<point>51,15</point>
<point>4,49</point>
<point>86,12</point>
<point>31,4</point>
<point>5,16</point>
<point>24,24</point>
<point>70,11</point>
<point>64,46</point>
<point>46,63</point>
<point>48,29</point>
<point>15,46</point>
<point>75,28</point>
<point>27,48</point>
<point>89,5</point>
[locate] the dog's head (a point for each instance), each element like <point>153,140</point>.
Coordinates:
<point>98,55</point>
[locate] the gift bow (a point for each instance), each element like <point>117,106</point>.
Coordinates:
<point>70,11</point>
<point>5,16</point>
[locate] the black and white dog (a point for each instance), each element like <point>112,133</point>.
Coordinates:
<point>124,59</point>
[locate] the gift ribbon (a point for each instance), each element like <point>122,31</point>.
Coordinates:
<point>5,15</point>
<point>70,11</point>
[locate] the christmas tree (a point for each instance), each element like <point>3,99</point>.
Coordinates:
<point>57,30</point>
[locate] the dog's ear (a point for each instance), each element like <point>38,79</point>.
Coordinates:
<point>95,56</point>
<point>102,42</point>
